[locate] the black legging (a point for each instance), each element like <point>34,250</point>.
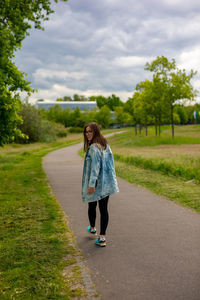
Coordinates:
<point>103,208</point>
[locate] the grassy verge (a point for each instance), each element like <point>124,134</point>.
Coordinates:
<point>186,193</point>
<point>169,167</point>
<point>179,157</point>
<point>35,242</point>
<point>128,139</point>
<point>160,165</point>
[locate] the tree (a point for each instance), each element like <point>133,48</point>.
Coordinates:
<point>55,113</point>
<point>128,106</point>
<point>16,17</point>
<point>152,99</point>
<point>113,101</point>
<point>77,97</point>
<point>104,116</point>
<point>176,84</point>
<point>101,100</point>
<point>132,105</point>
<point>67,98</point>
<point>181,112</point>
<point>121,116</point>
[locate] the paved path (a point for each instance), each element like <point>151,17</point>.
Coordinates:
<point>153,245</point>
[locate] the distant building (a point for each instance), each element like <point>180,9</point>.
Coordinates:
<point>67,104</point>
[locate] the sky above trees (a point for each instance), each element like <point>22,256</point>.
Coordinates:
<point>94,47</point>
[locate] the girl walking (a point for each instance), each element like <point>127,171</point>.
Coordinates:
<point>99,179</point>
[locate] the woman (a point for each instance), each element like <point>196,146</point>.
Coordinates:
<point>99,179</point>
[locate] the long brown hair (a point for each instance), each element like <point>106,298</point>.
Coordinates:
<point>97,136</point>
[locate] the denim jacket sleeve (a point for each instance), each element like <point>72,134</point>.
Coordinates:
<point>95,154</point>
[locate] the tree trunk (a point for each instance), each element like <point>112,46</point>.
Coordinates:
<point>135,129</point>
<point>159,126</point>
<point>172,121</point>
<point>140,128</point>
<point>156,131</point>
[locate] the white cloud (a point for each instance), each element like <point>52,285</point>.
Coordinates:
<point>57,74</point>
<point>57,91</point>
<point>131,61</point>
<point>101,47</point>
<point>190,59</point>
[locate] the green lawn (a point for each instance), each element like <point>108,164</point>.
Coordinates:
<point>35,241</point>
<point>178,160</point>
<point>37,258</point>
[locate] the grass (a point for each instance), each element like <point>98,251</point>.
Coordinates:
<point>38,259</point>
<point>35,241</point>
<point>129,139</point>
<point>184,171</point>
<point>186,193</point>
<point>178,158</point>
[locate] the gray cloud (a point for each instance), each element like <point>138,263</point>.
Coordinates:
<point>102,46</point>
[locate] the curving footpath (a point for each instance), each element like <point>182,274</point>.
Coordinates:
<point>153,244</point>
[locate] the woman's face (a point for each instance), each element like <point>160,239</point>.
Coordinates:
<point>89,133</point>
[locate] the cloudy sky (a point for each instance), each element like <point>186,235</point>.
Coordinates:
<point>93,47</point>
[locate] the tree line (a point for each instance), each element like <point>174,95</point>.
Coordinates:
<point>155,102</point>
<point>147,106</point>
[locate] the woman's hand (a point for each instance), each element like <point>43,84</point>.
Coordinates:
<point>91,190</point>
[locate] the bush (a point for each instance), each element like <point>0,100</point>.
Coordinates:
<point>61,131</point>
<point>37,129</point>
<point>75,129</point>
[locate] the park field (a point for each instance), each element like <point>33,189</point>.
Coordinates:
<point>169,167</point>
<point>37,258</point>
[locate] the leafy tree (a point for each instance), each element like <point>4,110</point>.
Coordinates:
<point>66,117</point>
<point>152,100</point>
<point>74,116</point>
<point>16,17</point>
<point>35,128</point>
<point>67,98</point>
<point>122,117</point>
<point>132,103</point>
<point>104,116</point>
<point>56,114</point>
<point>176,83</point>
<point>113,101</point>
<point>177,119</point>
<point>181,112</point>
<point>90,116</point>
<point>77,97</point>
<point>190,113</point>
<point>101,100</point>
<point>128,106</point>
<point>92,98</point>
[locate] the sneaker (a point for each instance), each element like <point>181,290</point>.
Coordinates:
<point>101,242</point>
<point>93,231</point>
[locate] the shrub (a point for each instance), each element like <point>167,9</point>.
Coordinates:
<point>75,129</point>
<point>37,129</point>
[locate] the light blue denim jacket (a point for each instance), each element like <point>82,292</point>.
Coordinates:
<point>98,172</point>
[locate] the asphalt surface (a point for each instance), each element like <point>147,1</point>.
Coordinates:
<point>153,244</point>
